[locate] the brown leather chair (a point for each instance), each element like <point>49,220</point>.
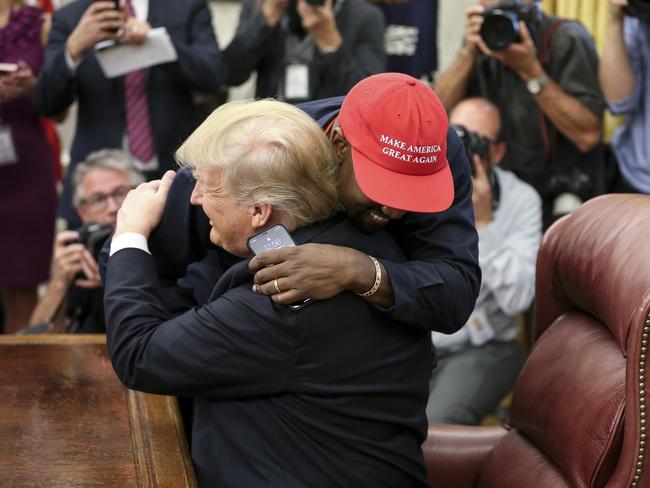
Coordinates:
<point>578,415</point>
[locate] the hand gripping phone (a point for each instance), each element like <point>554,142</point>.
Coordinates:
<point>275,237</point>
<point>272,238</point>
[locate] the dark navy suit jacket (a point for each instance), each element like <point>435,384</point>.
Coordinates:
<point>330,395</point>
<point>101,110</point>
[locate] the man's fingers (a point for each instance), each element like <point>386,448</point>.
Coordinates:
<point>269,273</point>
<point>99,6</point>
<point>289,297</point>
<point>484,49</point>
<point>66,236</point>
<point>479,168</point>
<point>525,34</point>
<point>166,183</point>
<point>270,258</point>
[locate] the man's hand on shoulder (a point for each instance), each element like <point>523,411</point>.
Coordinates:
<point>142,209</point>
<point>99,22</point>
<point>317,271</point>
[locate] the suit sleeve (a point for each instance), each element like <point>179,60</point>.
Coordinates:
<point>358,57</point>
<point>253,40</point>
<point>56,87</point>
<point>200,61</point>
<point>436,289</point>
<point>222,350</point>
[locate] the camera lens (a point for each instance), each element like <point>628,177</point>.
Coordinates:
<point>500,29</point>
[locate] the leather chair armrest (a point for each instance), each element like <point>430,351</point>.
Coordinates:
<point>454,453</point>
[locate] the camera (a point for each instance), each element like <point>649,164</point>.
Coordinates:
<point>93,236</point>
<point>501,23</point>
<point>477,145</point>
<point>639,9</point>
<point>566,189</point>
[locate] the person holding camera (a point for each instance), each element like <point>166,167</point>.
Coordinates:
<point>625,79</point>
<point>73,301</point>
<point>147,112</point>
<point>479,364</point>
<point>306,49</point>
<point>541,72</point>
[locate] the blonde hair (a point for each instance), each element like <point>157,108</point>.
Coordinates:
<point>268,152</point>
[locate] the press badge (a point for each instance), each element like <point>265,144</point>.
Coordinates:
<point>296,82</point>
<point>7,150</point>
<point>479,328</point>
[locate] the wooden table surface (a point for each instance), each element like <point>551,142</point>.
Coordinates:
<point>67,421</point>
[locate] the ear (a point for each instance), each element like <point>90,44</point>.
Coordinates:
<point>340,144</point>
<point>261,215</point>
<point>497,152</point>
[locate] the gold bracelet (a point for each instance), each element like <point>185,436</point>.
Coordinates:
<point>375,285</point>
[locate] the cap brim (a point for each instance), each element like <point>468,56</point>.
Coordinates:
<point>429,193</point>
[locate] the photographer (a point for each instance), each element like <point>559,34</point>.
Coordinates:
<point>306,49</point>
<point>148,111</point>
<point>543,77</point>
<point>101,184</point>
<point>479,364</point>
<point>625,79</point>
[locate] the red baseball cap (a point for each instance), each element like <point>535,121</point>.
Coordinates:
<point>397,129</point>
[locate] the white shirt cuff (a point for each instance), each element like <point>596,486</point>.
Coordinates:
<point>129,240</point>
<point>72,64</point>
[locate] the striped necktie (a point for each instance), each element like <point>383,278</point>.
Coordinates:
<point>138,122</point>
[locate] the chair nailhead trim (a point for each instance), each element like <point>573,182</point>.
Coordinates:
<point>642,363</point>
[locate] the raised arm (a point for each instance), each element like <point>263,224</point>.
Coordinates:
<point>576,115</point>
<point>435,289</point>
<point>72,34</point>
<point>452,85</point>
<point>257,33</point>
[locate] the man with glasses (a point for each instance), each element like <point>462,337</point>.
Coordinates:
<point>101,183</point>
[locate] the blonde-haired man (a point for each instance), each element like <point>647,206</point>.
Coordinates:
<point>330,395</point>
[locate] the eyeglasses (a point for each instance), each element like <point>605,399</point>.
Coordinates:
<point>98,201</point>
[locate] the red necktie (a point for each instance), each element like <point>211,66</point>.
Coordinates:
<point>138,123</point>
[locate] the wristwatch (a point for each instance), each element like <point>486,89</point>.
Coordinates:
<point>536,85</point>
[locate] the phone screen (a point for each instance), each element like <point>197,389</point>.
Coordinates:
<point>273,238</point>
<point>8,67</point>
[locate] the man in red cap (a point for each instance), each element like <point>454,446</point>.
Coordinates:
<point>400,168</point>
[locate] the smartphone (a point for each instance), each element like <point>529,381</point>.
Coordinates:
<point>8,67</point>
<point>116,6</point>
<point>272,238</point>
<point>116,3</point>
<point>275,237</point>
